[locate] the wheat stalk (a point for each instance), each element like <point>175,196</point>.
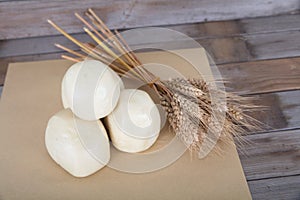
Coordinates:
<point>187,102</point>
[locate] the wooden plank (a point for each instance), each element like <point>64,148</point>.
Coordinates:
<point>290,106</point>
<point>274,45</point>
<point>37,45</point>
<point>286,188</point>
<point>263,76</point>
<point>211,29</point>
<point>281,23</point>
<point>271,24</point>
<point>282,111</point>
<point>124,14</point>
<point>226,49</point>
<point>242,29</point>
<point>273,154</point>
<point>239,48</point>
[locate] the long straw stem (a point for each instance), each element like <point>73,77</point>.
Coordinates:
<point>70,50</point>
<point>110,52</point>
<point>90,27</point>
<point>66,34</point>
<point>71,58</point>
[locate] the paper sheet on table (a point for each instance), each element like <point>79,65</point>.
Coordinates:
<point>32,95</point>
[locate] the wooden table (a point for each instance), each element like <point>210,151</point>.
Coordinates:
<point>255,43</point>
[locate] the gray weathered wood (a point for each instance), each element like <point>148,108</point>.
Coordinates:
<point>282,110</point>
<point>241,48</point>
<point>228,49</point>
<point>196,30</point>
<point>271,154</point>
<point>244,30</point>
<point>124,14</point>
<point>270,24</point>
<point>290,107</point>
<point>37,45</point>
<point>223,50</point>
<point>263,76</point>
<point>287,188</point>
<point>274,45</point>
<point>246,26</point>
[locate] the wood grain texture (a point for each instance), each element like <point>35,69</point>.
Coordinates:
<point>290,104</point>
<point>282,110</point>
<point>228,42</point>
<point>263,76</point>
<point>224,50</point>
<point>241,48</point>
<point>286,188</point>
<point>281,23</point>
<point>271,154</point>
<point>274,45</point>
<point>129,13</point>
<point>271,24</point>
<point>37,45</point>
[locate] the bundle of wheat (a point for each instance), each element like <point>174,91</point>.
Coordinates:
<point>192,114</point>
